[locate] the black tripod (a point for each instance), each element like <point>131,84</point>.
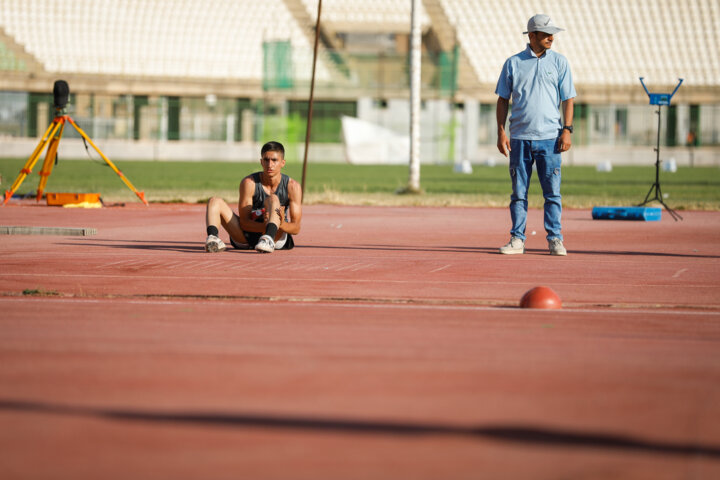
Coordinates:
<point>656,186</point>
<point>659,99</point>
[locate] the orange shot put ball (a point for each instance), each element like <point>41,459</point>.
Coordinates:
<point>540,297</point>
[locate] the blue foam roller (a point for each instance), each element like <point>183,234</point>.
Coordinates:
<point>647,214</point>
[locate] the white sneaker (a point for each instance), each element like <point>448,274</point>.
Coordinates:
<point>265,245</point>
<point>515,246</point>
<point>214,244</point>
<point>556,247</point>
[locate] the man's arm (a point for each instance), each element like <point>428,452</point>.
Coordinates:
<point>501,111</point>
<point>245,203</point>
<point>568,107</point>
<point>295,205</point>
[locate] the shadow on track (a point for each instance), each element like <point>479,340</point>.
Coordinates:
<point>494,250</point>
<point>528,435</point>
<point>166,246</point>
<point>198,247</point>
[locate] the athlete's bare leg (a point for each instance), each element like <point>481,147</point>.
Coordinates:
<point>219,213</point>
<point>274,213</point>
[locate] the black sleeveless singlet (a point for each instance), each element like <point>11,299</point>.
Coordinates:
<point>260,195</point>
<point>259,202</point>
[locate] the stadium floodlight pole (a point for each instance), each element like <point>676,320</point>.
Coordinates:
<point>310,101</point>
<point>415,40</point>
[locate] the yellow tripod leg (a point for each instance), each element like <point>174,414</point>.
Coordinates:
<point>27,168</point>
<point>49,160</point>
<point>141,195</point>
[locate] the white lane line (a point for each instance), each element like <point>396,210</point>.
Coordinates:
<point>306,303</point>
<point>441,268</point>
<point>352,280</point>
<point>349,266</point>
<point>679,272</point>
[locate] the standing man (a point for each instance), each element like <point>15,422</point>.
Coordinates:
<point>269,207</point>
<point>539,82</point>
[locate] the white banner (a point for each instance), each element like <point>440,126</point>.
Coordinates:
<point>369,144</point>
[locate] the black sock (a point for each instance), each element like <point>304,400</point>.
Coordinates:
<point>212,230</point>
<point>271,229</point>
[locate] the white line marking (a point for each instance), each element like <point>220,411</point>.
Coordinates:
<point>111,264</point>
<point>441,268</point>
<point>349,266</point>
<point>679,272</point>
<point>353,280</point>
<point>368,305</point>
<point>363,266</point>
<point>172,265</point>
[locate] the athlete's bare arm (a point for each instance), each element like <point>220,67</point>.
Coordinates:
<point>245,203</point>
<point>295,205</point>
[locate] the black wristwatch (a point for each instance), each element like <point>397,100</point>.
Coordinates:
<point>569,128</point>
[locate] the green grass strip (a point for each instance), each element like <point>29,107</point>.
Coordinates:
<point>582,186</point>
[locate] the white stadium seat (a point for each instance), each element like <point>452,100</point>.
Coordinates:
<point>607,42</point>
<point>219,39</point>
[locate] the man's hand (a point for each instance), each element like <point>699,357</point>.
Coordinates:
<point>565,141</point>
<point>568,108</point>
<point>503,143</point>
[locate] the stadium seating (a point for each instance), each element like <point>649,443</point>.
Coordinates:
<point>609,43</point>
<point>168,38</point>
<point>372,16</point>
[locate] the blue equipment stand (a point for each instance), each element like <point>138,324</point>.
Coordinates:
<point>648,214</point>
<point>659,99</point>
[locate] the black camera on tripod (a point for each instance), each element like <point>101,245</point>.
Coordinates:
<point>61,92</point>
<point>51,139</point>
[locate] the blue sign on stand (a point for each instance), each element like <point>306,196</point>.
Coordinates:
<point>660,98</point>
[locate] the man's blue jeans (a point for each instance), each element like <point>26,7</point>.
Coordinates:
<point>546,155</point>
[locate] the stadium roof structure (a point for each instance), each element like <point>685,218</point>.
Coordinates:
<point>188,47</point>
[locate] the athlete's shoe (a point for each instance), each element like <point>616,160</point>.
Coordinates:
<point>214,244</point>
<point>516,245</point>
<point>265,245</point>
<point>556,247</point>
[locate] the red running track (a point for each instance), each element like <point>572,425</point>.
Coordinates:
<point>386,345</point>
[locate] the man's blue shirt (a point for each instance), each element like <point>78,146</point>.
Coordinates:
<point>537,87</point>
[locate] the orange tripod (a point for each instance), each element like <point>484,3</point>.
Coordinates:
<point>51,139</point>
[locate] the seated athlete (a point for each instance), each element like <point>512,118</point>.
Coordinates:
<point>269,207</point>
